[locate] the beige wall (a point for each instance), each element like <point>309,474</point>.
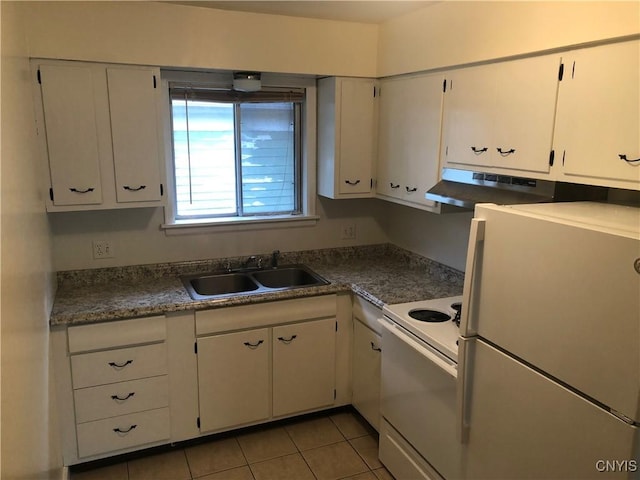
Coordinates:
<point>451,33</point>
<point>183,36</point>
<point>29,441</point>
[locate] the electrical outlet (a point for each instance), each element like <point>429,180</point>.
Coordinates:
<point>102,249</point>
<point>348,231</point>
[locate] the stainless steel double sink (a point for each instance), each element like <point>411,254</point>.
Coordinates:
<point>251,281</point>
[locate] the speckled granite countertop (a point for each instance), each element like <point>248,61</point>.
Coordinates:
<point>381,274</point>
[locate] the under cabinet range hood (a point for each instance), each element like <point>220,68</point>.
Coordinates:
<point>465,188</point>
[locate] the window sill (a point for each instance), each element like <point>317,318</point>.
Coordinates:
<point>189,227</point>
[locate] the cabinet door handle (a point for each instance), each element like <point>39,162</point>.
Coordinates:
<point>411,190</point>
<point>505,153</point>
<point>624,157</point>
<point>90,189</point>
<point>120,365</point>
<point>397,185</point>
<point>134,189</point>
<point>117,398</point>
<point>479,151</point>
<point>287,340</point>
<point>254,345</point>
<point>124,432</point>
<point>352,183</point>
<point>374,348</point>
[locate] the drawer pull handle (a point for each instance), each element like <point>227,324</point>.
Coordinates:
<point>624,157</point>
<point>411,190</point>
<point>76,190</point>
<point>122,399</point>
<point>120,365</point>
<point>505,153</point>
<point>124,432</point>
<point>479,151</point>
<point>134,189</point>
<point>373,347</point>
<point>287,340</point>
<point>349,182</point>
<point>394,185</point>
<point>254,345</point>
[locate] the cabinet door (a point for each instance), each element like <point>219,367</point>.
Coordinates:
<point>70,116</point>
<point>233,379</point>
<point>134,132</point>
<point>468,116</point>
<point>303,366</point>
<point>524,112</point>
<point>409,139</point>
<point>392,139</point>
<point>367,348</point>
<point>356,135</point>
<point>598,118</point>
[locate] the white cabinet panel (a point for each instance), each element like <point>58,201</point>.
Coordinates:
<point>134,132</point>
<point>118,365</point>
<point>233,379</point>
<point>118,433</point>
<point>409,138</point>
<point>101,134</point>
<point>346,132</point>
<point>303,366</point>
<point>598,119</point>
<point>500,117</point>
<point>68,97</point>
<point>367,350</point>
<point>115,399</point>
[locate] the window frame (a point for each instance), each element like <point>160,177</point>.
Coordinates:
<point>307,175</point>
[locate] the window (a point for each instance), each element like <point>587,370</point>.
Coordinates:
<point>236,155</point>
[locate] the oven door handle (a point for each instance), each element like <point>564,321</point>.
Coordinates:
<point>449,368</point>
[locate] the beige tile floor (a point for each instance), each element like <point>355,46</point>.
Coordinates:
<point>332,446</point>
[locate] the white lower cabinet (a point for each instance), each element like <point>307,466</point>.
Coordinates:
<point>367,356</point>
<point>233,378</point>
<point>285,365</point>
<point>131,384</point>
<point>113,385</point>
<point>304,358</point>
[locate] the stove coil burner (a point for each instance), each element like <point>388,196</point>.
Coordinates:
<point>458,308</point>
<point>431,316</point>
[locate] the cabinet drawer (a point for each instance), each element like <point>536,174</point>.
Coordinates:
<point>99,336</point>
<point>122,398</point>
<point>122,432</point>
<point>119,365</point>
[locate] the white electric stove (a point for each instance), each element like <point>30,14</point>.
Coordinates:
<point>435,322</point>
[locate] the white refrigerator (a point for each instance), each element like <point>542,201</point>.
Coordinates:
<point>549,362</point>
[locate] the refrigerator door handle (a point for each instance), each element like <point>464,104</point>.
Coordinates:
<point>476,237</point>
<point>463,388</point>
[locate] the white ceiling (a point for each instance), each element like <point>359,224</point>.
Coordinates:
<point>363,11</point>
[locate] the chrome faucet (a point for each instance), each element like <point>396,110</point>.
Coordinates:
<point>252,258</point>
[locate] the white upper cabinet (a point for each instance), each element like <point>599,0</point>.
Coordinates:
<point>68,100</point>
<point>409,139</point>
<point>346,132</point>
<point>499,117</point>
<point>101,134</point>
<point>136,150</point>
<point>597,137</point>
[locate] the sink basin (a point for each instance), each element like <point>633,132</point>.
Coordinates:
<point>219,284</point>
<point>288,277</point>
<point>212,285</point>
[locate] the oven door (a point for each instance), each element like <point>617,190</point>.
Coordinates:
<point>418,398</point>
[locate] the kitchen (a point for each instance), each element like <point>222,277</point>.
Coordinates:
<point>34,244</point>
